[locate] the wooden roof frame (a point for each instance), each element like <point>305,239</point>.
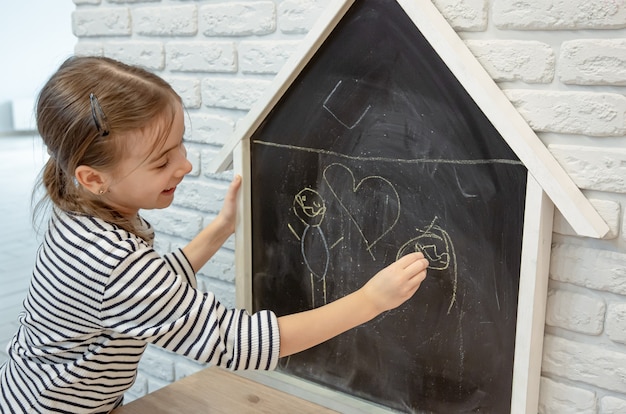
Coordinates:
<point>552,178</point>
<point>548,186</point>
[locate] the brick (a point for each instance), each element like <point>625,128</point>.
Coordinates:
<point>138,390</point>
<point>238,18</point>
<point>299,16</point>
<point>193,155</point>
<point>83,48</point>
<point>133,1</point>
<point>608,210</point>
<point>201,196</point>
<point>186,368</point>
<point>593,168</point>
<point>223,291</point>
<point>202,57</point>
<point>173,242</point>
<point>158,363</point>
<point>576,312</point>
<point>81,2</point>
<point>596,269</point>
<point>509,60</point>
<point>221,267</point>
<point>150,55</point>
<point>585,363</point>
<point>161,244</point>
<point>593,62</point>
<point>188,88</point>
<point>166,21</point>
<point>586,113</point>
<point>232,93</point>
<point>616,322</point>
<point>210,129</point>
<point>558,14</point>
<point>177,222</point>
<point>262,57</point>
<point>464,15</point>
<point>156,384</point>
<point>556,397</point>
<point>206,157</point>
<point>101,22</point>
<point>612,405</point>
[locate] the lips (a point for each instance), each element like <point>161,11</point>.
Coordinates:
<point>169,190</point>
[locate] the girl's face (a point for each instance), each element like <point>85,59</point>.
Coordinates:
<point>147,178</point>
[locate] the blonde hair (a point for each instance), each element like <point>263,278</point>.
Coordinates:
<point>130,99</point>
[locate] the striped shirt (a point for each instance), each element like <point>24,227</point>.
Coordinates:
<point>98,295</point>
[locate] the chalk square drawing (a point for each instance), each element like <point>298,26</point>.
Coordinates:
<point>348,102</point>
<point>358,155</point>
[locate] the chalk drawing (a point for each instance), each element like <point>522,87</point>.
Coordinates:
<point>435,243</point>
<point>343,118</point>
<point>370,190</point>
<point>387,159</point>
<point>310,208</point>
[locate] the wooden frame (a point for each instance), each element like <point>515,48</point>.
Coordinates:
<point>548,185</point>
<point>533,294</point>
<point>568,198</point>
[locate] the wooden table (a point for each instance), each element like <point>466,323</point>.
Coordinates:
<point>214,390</point>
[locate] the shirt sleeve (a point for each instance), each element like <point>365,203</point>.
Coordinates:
<point>148,298</point>
<point>179,264</point>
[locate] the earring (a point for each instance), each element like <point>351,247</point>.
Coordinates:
<point>101,192</point>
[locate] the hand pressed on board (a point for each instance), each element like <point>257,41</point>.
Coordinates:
<point>228,212</point>
<point>396,283</point>
<point>213,236</point>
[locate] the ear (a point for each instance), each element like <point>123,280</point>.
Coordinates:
<point>91,179</point>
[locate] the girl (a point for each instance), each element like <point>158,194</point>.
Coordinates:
<point>100,293</point>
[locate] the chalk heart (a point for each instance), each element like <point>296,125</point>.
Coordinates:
<point>373,204</point>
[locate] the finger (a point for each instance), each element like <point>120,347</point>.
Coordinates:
<point>410,258</point>
<point>234,185</point>
<point>236,181</point>
<point>416,281</point>
<point>416,266</point>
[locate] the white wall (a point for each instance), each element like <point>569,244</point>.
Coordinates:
<point>36,37</point>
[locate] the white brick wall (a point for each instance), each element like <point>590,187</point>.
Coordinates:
<point>561,62</point>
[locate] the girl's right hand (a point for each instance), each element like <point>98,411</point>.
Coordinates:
<point>396,283</point>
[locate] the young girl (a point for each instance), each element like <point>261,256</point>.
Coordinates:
<point>100,293</point>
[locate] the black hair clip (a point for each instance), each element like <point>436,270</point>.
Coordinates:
<point>99,118</point>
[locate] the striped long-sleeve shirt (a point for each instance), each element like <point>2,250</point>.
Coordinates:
<point>98,295</point>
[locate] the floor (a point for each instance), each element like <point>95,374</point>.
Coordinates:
<point>21,158</point>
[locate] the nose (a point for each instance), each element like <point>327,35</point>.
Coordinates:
<point>185,166</point>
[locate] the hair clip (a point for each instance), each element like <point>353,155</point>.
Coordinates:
<point>99,118</point>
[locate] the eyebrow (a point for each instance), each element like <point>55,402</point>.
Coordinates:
<point>165,151</point>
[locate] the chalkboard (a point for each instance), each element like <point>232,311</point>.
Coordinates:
<point>375,151</point>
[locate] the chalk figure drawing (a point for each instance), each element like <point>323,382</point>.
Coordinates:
<point>310,208</point>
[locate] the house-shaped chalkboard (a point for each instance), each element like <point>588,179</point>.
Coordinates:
<point>382,136</point>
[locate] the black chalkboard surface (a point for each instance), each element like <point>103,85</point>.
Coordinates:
<point>374,151</point>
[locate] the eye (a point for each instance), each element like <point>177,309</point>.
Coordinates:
<point>162,166</point>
